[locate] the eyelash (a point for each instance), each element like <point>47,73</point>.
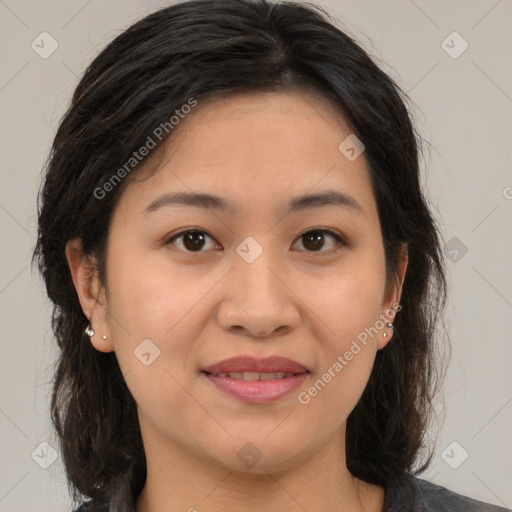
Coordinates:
<point>340,241</point>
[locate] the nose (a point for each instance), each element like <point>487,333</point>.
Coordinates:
<point>259,299</point>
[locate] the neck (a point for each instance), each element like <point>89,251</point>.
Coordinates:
<point>185,481</point>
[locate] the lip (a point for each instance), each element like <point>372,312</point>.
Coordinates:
<point>261,391</point>
<point>259,365</point>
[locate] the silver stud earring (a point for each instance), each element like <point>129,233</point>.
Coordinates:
<point>89,331</point>
<point>390,325</point>
<point>103,337</point>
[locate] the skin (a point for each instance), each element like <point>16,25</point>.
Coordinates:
<point>257,151</point>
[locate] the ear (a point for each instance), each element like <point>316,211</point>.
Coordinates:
<point>392,297</point>
<point>91,293</point>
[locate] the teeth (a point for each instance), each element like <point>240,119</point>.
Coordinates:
<point>252,376</point>
<point>270,376</point>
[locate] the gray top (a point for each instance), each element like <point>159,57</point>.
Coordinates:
<point>407,494</point>
<point>411,494</point>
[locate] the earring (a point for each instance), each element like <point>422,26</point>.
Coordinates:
<point>103,337</point>
<point>390,325</point>
<point>89,331</point>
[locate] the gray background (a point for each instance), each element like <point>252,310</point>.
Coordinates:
<point>463,107</point>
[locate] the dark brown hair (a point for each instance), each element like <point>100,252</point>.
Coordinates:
<point>204,49</point>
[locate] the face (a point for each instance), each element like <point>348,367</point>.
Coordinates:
<point>189,286</point>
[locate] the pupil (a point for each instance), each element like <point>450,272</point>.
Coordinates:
<point>193,240</point>
<point>315,237</point>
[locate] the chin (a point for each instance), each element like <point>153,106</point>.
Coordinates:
<point>260,455</point>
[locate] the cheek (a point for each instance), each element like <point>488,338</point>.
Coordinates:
<point>155,318</point>
<point>151,297</point>
<point>346,364</point>
<point>346,302</point>
<point>348,309</point>
<point>156,312</point>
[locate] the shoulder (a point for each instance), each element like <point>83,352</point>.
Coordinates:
<point>412,494</point>
<point>439,498</point>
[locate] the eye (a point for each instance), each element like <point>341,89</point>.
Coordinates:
<point>193,240</point>
<point>315,239</point>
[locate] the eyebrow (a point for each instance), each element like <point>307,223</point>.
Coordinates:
<point>209,201</point>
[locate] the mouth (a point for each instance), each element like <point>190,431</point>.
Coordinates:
<point>253,391</point>
<point>255,376</point>
<point>249,367</point>
<point>256,381</point>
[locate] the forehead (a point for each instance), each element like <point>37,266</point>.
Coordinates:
<point>293,103</point>
<point>256,148</point>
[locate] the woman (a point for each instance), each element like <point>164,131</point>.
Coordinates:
<point>245,272</point>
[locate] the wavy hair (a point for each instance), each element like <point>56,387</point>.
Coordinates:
<point>215,48</point>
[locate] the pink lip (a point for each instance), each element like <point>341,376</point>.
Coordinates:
<point>259,391</point>
<point>253,364</point>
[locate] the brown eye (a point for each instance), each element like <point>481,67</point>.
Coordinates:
<point>314,240</point>
<point>192,240</point>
